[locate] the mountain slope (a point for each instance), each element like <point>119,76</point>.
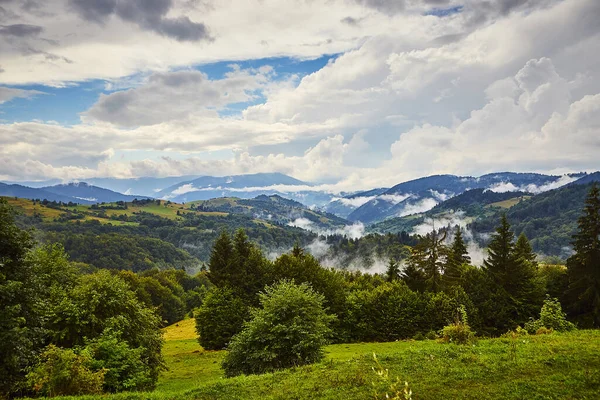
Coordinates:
<point>422,194</point>
<point>273,208</point>
<point>87,193</point>
<point>36,193</point>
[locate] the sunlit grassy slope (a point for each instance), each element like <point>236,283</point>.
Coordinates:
<point>556,366</point>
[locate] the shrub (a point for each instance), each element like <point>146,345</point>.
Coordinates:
<point>63,372</point>
<point>124,367</point>
<point>290,330</point>
<point>551,317</point>
<point>459,331</point>
<point>101,303</point>
<point>219,318</point>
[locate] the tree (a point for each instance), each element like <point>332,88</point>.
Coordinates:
<point>221,316</point>
<point>289,330</point>
<point>102,304</point>
<point>500,253</point>
<point>21,312</point>
<point>429,256</point>
<point>221,258</point>
<point>517,289</point>
<point>393,270</point>
<point>583,294</point>
<point>523,250</point>
<point>457,257</point>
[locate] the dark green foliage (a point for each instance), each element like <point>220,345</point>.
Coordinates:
<point>289,330</point>
<point>21,310</point>
<point>219,318</point>
<point>392,272</point>
<point>583,295</point>
<point>389,312</point>
<point>551,317</point>
<point>123,366</point>
<point>64,372</point>
<point>429,256</point>
<point>304,268</point>
<point>457,257</point>
<point>117,251</point>
<point>362,252</point>
<point>239,265</point>
<point>516,290</point>
<point>102,303</point>
<point>549,220</point>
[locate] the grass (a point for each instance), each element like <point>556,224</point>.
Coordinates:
<point>556,366</point>
<point>27,207</point>
<point>508,203</point>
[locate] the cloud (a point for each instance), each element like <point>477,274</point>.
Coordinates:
<point>149,15</point>
<point>421,206</point>
<point>353,231</point>
<point>20,30</point>
<point>354,201</point>
<point>176,96</point>
<point>532,188</point>
<point>7,94</point>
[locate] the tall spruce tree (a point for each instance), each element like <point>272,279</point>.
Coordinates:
<point>457,257</point>
<point>583,294</point>
<point>20,314</point>
<point>221,259</point>
<point>429,256</point>
<point>392,272</point>
<point>500,253</point>
<point>517,290</point>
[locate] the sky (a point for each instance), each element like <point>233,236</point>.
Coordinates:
<point>354,94</point>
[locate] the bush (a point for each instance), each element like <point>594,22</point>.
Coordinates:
<point>123,364</point>
<point>458,332</point>
<point>290,330</point>
<point>551,317</point>
<point>101,303</point>
<point>219,318</point>
<point>63,372</point>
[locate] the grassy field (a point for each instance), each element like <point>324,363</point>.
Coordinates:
<point>556,366</point>
<point>508,203</point>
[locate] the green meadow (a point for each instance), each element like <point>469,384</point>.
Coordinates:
<point>552,366</point>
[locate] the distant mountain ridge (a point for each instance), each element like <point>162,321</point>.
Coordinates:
<point>422,194</point>
<point>81,193</point>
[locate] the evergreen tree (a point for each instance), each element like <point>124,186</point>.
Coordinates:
<point>414,278</point>
<point>583,294</point>
<point>220,261</point>
<point>457,257</point>
<point>524,251</point>
<point>393,271</point>
<point>20,314</point>
<point>516,288</point>
<point>500,253</point>
<point>429,257</point>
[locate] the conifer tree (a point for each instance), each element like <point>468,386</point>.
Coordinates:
<point>429,257</point>
<point>393,270</point>
<point>583,293</point>
<point>500,253</point>
<point>221,258</point>
<point>523,250</point>
<point>517,290</point>
<point>457,257</point>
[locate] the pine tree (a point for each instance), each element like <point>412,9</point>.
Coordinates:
<point>517,289</point>
<point>583,294</point>
<point>457,257</point>
<point>500,251</point>
<point>523,249</point>
<point>428,257</point>
<point>393,270</point>
<point>220,261</point>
